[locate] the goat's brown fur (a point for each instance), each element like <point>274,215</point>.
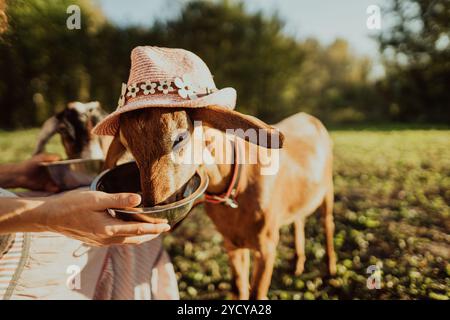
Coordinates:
<point>302,185</point>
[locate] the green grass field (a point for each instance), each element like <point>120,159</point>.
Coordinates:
<point>392,210</point>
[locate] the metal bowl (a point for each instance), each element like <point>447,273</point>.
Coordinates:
<point>126,178</point>
<point>71,174</point>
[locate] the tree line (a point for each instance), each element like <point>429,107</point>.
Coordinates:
<point>43,65</point>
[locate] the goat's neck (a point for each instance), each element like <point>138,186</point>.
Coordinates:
<point>221,171</point>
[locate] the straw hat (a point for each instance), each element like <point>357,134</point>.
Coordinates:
<point>164,77</point>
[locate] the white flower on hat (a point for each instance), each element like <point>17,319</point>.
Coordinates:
<point>121,101</point>
<point>185,87</point>
<point>149,87</point>
<point>132,90</point>
<point>165,86</point>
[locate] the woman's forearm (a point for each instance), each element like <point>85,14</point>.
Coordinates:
<point>21,215</point>
<point>11,175</point>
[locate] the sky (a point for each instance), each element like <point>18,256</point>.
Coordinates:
<point>323,19</point>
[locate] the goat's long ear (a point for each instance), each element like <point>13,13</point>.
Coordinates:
<point>48,129</point>
<point>115,152</point>
<point>236,123</point>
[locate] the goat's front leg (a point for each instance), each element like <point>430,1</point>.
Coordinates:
<point>263,268</point>
<point>328,222</point>
<point>300,245</point>
<point>240,268</point>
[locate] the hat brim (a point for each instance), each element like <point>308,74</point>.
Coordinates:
<point>109,126</point>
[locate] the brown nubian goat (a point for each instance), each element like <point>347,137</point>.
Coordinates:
<point>302,183</point>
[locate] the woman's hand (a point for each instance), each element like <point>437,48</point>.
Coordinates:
<point>81,215</point>
<point>34,176</point>
<point>28,174</point>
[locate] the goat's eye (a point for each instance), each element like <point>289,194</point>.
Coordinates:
<point>180,140</point>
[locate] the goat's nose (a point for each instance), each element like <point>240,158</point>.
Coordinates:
<point>159,193</point>
<point>153,192</point>
<point>149,197</point>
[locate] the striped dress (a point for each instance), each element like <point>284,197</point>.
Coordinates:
<point>12,262</point>
<point>13,249</point>
<point>51,266</point>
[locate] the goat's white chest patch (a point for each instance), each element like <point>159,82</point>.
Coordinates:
<point>92,151</point>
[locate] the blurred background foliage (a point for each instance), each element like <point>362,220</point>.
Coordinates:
<point>43,65</point>
<point>416,52</point>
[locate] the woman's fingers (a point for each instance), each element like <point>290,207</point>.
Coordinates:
<point>135,229</point>
<point>45,157</point>
<point>50,186</point>
<point>132,240</point>
<point>102,200</point>
<point>133,233</point>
